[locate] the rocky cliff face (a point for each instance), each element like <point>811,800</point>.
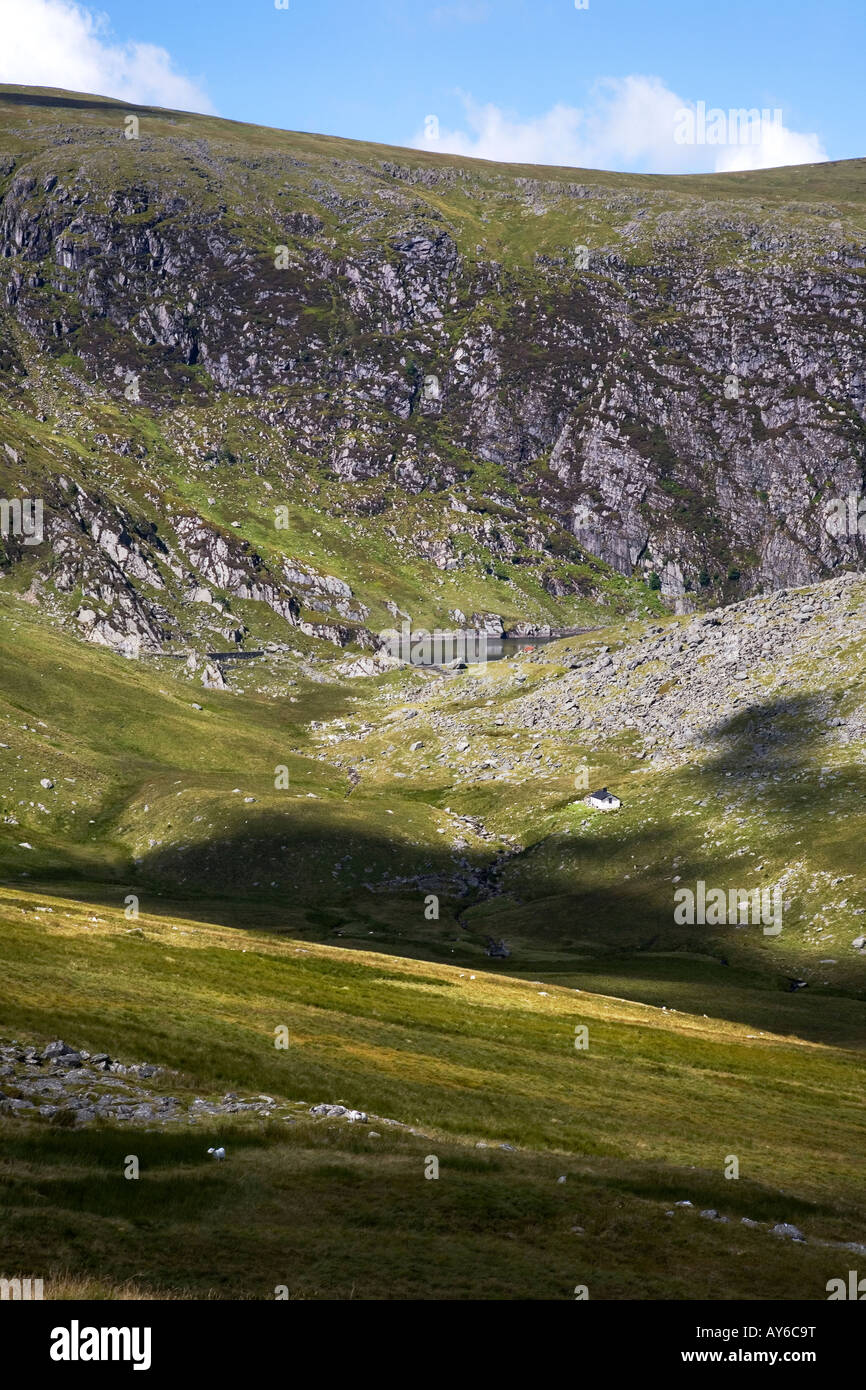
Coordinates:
<point>665,374</point>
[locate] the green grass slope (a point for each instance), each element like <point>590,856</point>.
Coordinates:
<point>304,908</point>
<point>646,1116</point>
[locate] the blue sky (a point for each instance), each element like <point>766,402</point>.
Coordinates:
<point>520,79</point>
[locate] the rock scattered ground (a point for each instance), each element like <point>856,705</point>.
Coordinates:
<point>673,686</point>
<point>677,686</point>
<point>66,1085</point>
<point>783,1230</point>
<point>762,698</point>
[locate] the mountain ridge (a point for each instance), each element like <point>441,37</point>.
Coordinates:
<point>421,350</point>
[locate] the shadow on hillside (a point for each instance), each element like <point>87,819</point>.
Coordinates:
<point>363,885</point>
<point>782,739</point>
<point>79,103</point>
<point>364,890</point>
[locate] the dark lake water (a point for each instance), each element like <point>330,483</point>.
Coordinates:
<point>440,648</point>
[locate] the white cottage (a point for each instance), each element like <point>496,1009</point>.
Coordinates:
<point>603,800</point>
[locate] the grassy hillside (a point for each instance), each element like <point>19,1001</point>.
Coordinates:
<point>93,113</point>
<point>338,810</point>
<point>304,909</point>
<point>645,1117</point>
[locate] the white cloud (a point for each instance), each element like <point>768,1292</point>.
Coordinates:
<point>56,43</point>
<point>493,134</point>
<point>775,147</point>
<point>627,123</point>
